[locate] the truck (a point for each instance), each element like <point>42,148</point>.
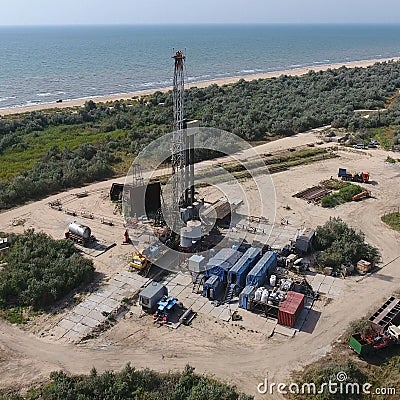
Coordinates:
<point>361,177</point>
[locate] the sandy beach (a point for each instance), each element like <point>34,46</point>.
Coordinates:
<point>202,84</point>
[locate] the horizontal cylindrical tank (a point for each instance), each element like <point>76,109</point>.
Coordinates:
<point>272,280</point>
<point>80,230</point>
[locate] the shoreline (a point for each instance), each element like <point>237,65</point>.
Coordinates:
<point>200,84</point>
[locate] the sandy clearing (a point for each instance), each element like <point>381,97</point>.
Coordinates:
<point>240,357</point>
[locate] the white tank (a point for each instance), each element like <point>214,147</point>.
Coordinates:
<point>258,294</point>
<point>264,296</point>
<point>272,280</point>
<point>186,237</point>
<point>196,229</point>
<point>80,230</point>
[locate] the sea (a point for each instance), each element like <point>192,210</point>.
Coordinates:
<point>44,64</point>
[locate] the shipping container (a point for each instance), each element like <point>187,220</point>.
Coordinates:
<point>213,288</point>
<point>264,268</point>
<point>222,262</point>
<point>237,274</point>
<point>290,309</point>
<point>246,296</point>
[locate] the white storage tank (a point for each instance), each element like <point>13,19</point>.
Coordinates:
<point>195,227</point>
<point>258,294</point>
<point>186,237</point>
<point>272,280</point>
<point>264,296</point>
<point>80,230</point>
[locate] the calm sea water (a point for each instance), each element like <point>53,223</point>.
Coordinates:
<point>43,64</point>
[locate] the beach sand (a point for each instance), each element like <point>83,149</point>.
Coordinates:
<point>202,84</point>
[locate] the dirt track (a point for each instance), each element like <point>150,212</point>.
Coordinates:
<point>238,356</point>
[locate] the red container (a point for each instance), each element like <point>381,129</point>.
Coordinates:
<point>290,309</point>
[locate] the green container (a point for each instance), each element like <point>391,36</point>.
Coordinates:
<point>359,345</point>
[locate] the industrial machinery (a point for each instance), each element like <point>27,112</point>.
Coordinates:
<point>79,234</point>
<point>362,177</point>
<point>363,195</point>
<point>165,308</point>
<point>371,341</point>
<point>383,331</point>
<point>139,261</point>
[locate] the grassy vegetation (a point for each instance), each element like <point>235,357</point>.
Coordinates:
<point>390,160</point>
<point>384,136</point>
<point>344,195</point>
<point>34,146</point>
<point>393,220</point>
<point>132,384</point>
<point>334,184</point>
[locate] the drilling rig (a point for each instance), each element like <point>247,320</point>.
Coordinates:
<point>183,206</point>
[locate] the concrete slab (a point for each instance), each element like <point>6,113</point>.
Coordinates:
<point>319,278</point>
<point>285,331</point>
<point>216,312</point>
<point>66,324</point>
<point>89,304</point>
<point>95,298</point>
<point>91,323</point>
<point>73,317</point>
<point>117,283</point>
<point>58,332</point>
<point>72,336</point>
<point>329,280</point>
<point>81,310</point>
<point>110,303</point>
<point>324,288</point>
<point>199,303</point>
<point>207,308</point>
<point>225,315</point>
<point>96,315</point>
<point>80,328</point>
<point>335,292</point>
<point>339,283</point>
<point>104,308</point>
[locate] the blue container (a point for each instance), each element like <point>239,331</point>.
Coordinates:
<point>222,262</point>
<point>264,268</point>
<point>237,274</point>
<point>213,288</point>
<point>246,296</point>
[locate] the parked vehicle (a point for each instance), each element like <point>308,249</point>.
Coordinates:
<point>362,177</point>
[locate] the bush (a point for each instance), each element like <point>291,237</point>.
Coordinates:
<point>134,384</point>
<point>339,244</point>
<point>41,270</point>
<point>344,195</point>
